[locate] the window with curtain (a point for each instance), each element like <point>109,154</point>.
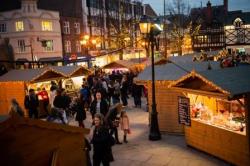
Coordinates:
<point>19,26</point>
<point>47,26</point>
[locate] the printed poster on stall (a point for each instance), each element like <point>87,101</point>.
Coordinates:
<point>184,110</point>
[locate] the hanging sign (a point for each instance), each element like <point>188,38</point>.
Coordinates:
<point>184,111</point>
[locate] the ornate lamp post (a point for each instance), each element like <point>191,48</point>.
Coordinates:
<point>151,30</point>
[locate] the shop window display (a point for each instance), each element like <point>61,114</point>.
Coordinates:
<point>225,114</point>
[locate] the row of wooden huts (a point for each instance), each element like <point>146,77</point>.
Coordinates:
<point>217,113</point>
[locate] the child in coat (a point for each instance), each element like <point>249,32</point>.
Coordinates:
<point>124,121</point>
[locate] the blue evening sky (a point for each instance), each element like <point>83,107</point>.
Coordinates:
<point>233,4</point>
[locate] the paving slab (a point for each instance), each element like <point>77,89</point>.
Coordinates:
<point>171,150</point>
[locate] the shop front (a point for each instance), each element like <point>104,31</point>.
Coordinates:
<point>218,102</point>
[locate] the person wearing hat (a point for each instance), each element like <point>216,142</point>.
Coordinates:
<point>31,103</point>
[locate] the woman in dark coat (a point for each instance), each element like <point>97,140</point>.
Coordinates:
<point>112,119</point>
<point>102,143</point>
<point>78,107</point>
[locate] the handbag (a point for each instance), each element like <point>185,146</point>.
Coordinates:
<point>115,123</point>
<point>111,140</point>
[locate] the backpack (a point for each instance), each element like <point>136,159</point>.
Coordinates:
<point>85,94</point>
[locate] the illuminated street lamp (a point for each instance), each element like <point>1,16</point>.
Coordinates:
<point>87,42</point>
<point>151,30</point>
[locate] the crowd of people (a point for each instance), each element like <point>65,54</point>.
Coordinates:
<point>104,96</point>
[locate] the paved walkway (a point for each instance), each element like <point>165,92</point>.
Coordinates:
<point>171,150</point>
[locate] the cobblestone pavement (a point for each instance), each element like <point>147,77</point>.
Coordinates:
<point>171,150</point>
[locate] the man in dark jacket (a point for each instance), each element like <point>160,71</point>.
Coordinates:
<point>99,105</point>
<point>31,103</point>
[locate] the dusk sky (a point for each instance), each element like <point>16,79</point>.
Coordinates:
<point>233,4</point>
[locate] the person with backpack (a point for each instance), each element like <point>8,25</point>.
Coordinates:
<point>85,96</point>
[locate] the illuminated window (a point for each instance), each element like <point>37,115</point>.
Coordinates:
<point>21,46</point>
<point>78,46</point>
<point>47,26</point>
<point>19,26</point>
<point>49,46</point>
<point>77,28</point>
<point>67,46</point>
<point>66,28</point>
<point>3,27</point>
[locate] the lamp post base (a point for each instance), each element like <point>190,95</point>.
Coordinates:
<point>154,134</point>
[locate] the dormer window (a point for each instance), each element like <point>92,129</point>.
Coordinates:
<point>238,23</point>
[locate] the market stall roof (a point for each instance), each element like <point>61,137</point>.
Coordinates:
<point>171,72</point>
<point>43,138</point>
<point>31,75</point>
<point>120,64</point>
<point>233,82</point>
<point>71,71</point>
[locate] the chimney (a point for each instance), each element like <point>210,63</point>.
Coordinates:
<point>29,6</point>
<point>209,12</point>
<point>225,6</point>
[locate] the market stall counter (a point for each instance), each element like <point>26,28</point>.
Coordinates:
<point>218,106</point>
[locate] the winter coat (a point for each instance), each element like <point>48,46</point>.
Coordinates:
<point>31,102</point>
<point>79,109</point>
<point>103,107</point>
<point>101,144</point>
<point>124,121</point>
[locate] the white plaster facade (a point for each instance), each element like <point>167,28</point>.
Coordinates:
<point>32,32</point>
<point>238,36</point>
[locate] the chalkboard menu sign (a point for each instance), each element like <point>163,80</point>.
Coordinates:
<point>184,111</point>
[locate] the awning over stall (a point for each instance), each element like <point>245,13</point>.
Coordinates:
<point>71,71</point>
<point>124,64</point>
<point>31,75</point>
<point>230,82</point>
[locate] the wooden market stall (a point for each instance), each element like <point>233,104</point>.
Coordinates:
<point>166,98</point>
<point>15,84</point>
<point>219,107</point>
<point>26,141</point>
<point>125,65</point>
<point>73,76</point>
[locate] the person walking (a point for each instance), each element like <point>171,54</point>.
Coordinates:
<point>85,96</point>
<point>15,108</point>
<point>31,103</point>
<point>60,104</point>
<point>112,120</point>
<point>102,142</point>
<point>124,90</point>
<point>77,106</point>
<point>99,105</point>
<point>137,94</point>
<point>124,121</point>
<point>116,93</point>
